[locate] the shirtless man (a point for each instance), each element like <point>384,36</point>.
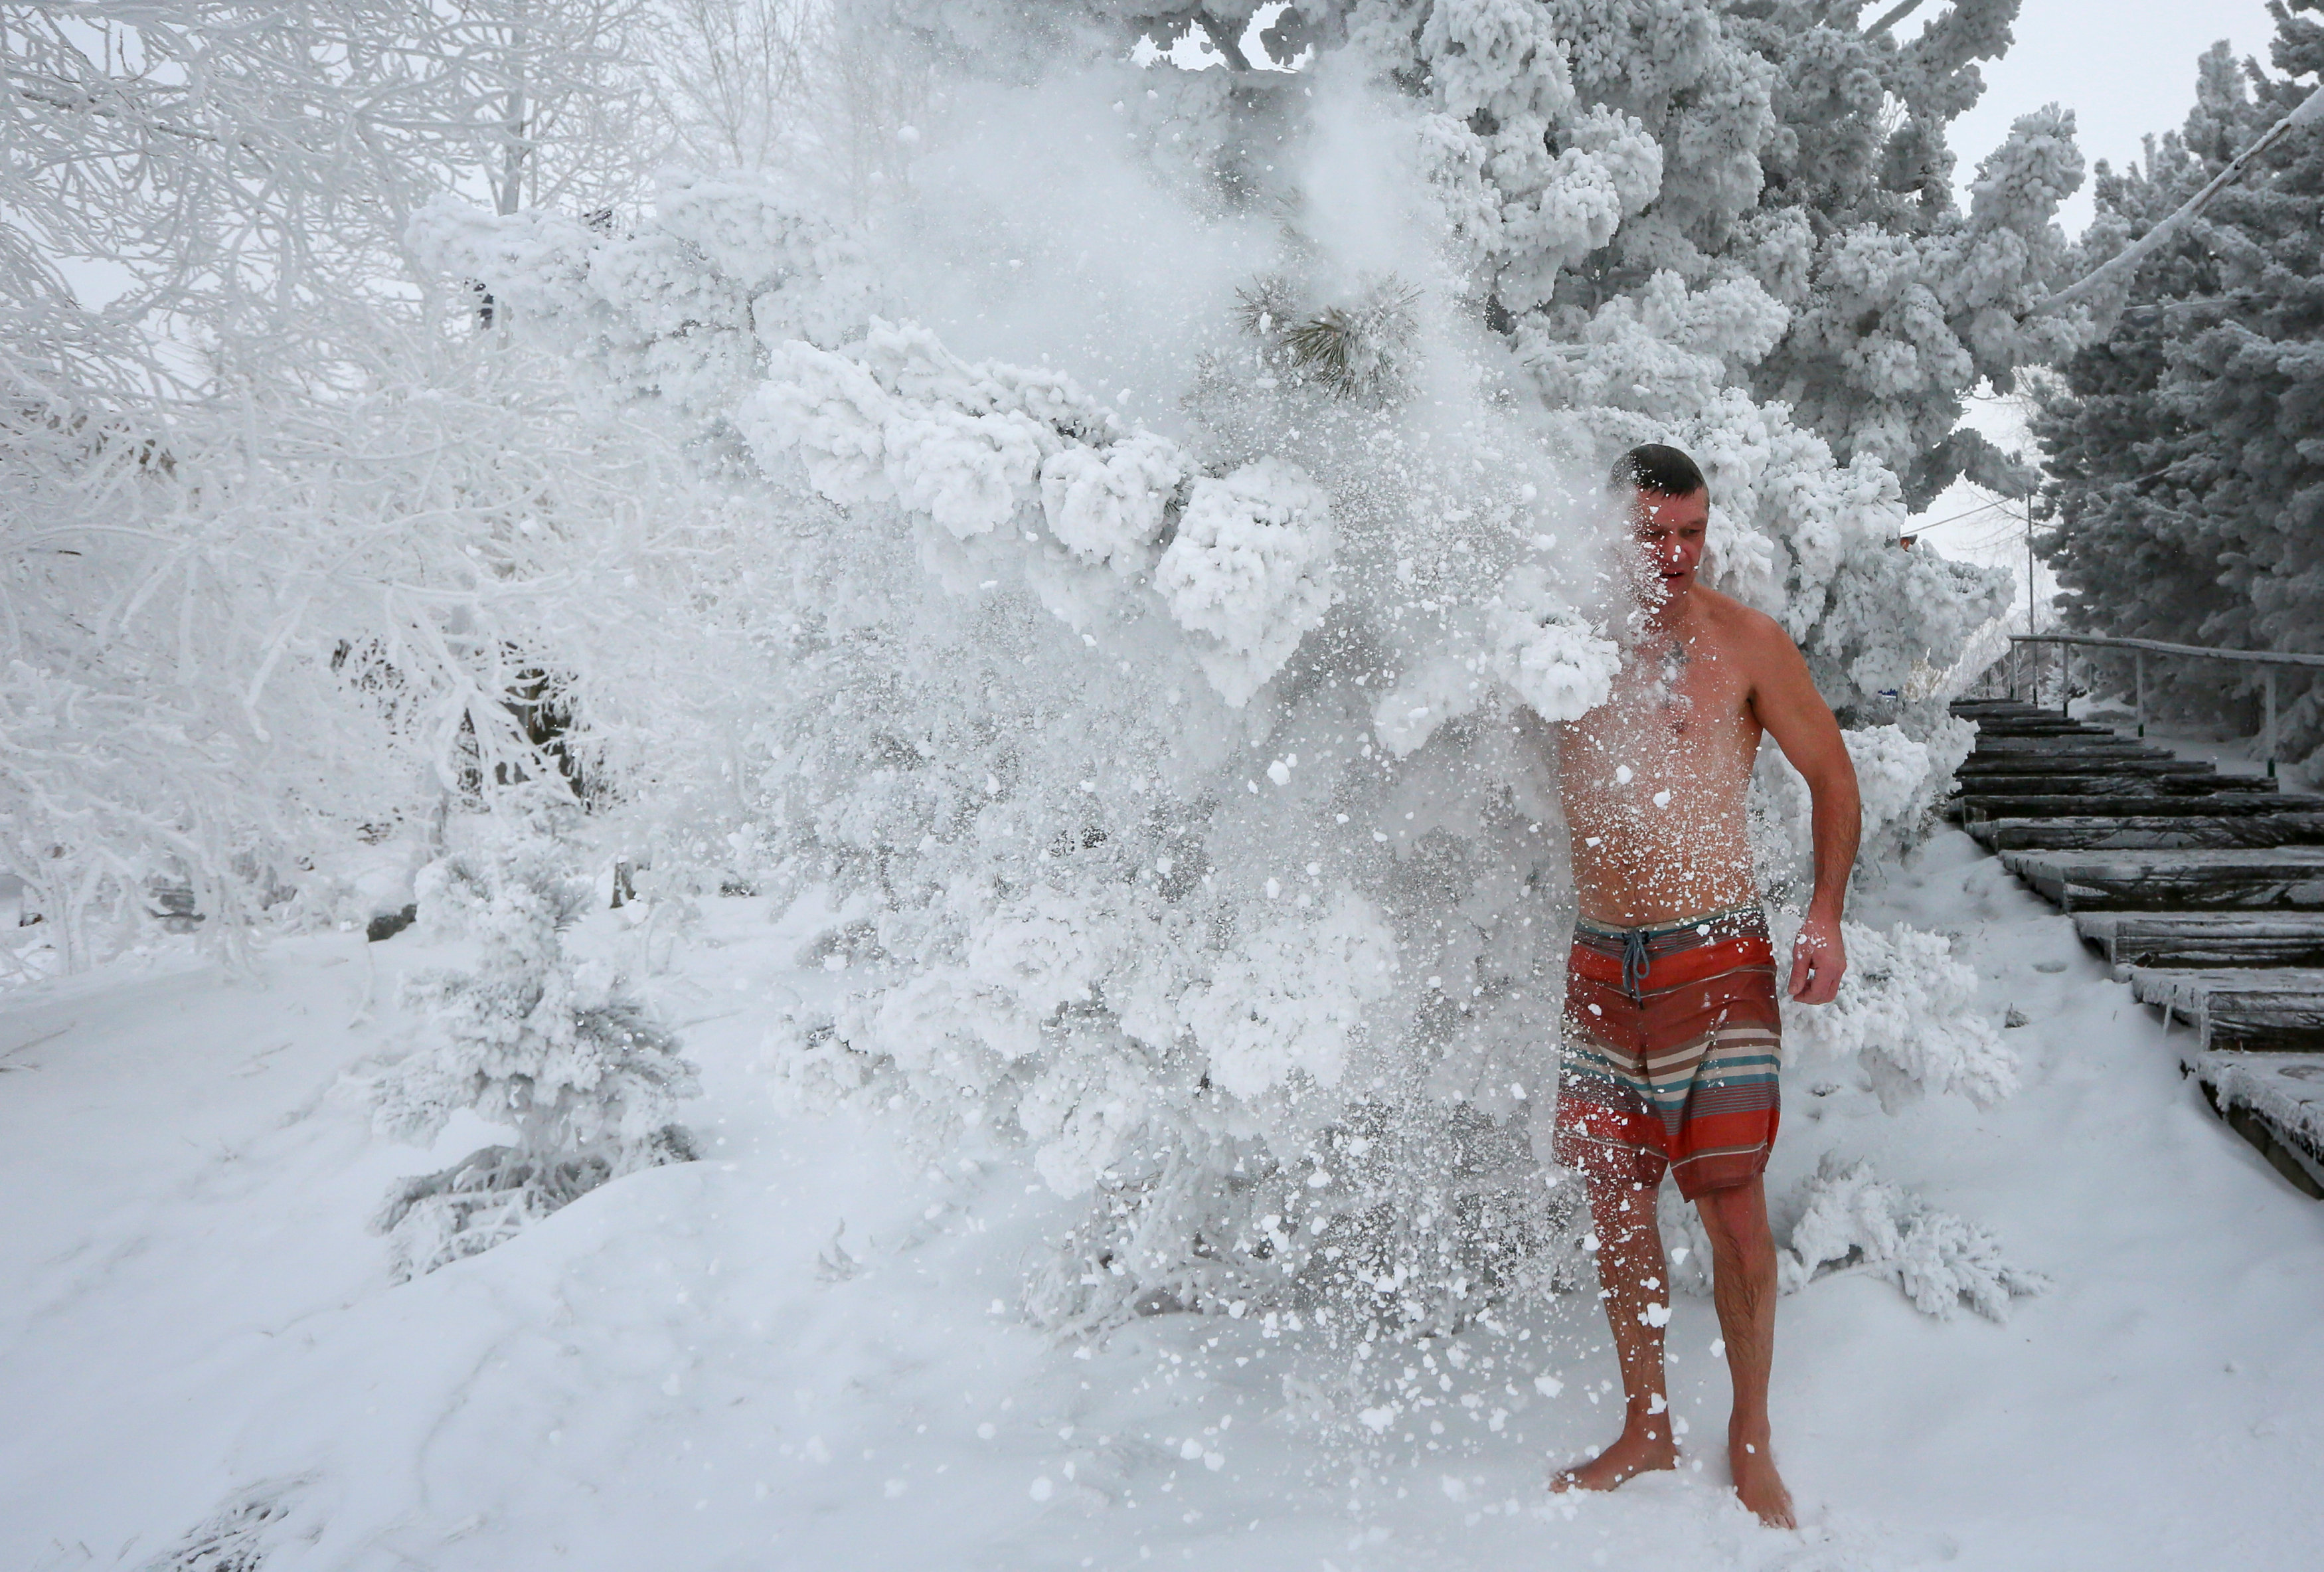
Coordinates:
<point>1670,1022</point>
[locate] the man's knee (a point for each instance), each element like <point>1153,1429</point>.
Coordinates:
<point>1620,1203</point>
<point>1735,1216</point>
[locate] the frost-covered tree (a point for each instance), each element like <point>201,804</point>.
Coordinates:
<point>735,74</point>
<point>1903,302</point>
<point>207,195</point>
<point>249,665</point>
<point>2188,490</point>
<point>532,1038</point>
<point>799,84</point>
<point>271,533</point>
<point>1187,485</point>
<point>1589,148</point>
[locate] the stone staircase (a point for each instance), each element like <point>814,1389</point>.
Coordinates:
<point>2205,891</point>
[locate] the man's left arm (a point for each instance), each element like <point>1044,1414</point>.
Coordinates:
<point>1795,714</point>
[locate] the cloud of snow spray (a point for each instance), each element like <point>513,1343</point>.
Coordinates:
<point>1249,924</point>
<point>1172,580</point>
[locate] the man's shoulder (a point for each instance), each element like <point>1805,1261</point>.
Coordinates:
<point>1742,629</point>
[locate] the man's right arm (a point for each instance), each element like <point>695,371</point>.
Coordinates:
<point>1791,711</point>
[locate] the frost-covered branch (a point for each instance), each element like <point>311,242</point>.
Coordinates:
<point>2113,276</point>
<point>1845,1220</point>
<point>1891,17</point>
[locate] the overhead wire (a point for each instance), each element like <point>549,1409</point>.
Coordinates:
<point>1987,507</point>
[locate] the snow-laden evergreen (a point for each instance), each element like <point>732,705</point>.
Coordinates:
<point>1190,520</point>
<point>1705,195</point>
<point>562,1050</point>
<point>2188,497</point>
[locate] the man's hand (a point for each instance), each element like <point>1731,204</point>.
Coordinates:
<point>1818,960</point>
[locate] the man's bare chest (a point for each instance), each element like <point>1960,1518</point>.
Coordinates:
<point>1674,699</point>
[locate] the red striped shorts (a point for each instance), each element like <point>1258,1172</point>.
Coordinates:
<point>1672,1035</point>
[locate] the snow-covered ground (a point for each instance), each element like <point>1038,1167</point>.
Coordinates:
<point>803,1351</point>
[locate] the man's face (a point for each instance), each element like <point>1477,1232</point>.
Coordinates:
<point>1669,531</point>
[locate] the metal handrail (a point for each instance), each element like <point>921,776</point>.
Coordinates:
<point>2142,648</point>
<point>2254,657</point>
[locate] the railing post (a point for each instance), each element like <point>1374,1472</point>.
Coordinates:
<point>2026,665</point>
<point>2269,735</point>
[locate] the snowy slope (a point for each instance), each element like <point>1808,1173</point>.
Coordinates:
<point>683,1371</point>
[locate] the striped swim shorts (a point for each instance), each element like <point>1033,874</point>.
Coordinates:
<point>1671,1039</point>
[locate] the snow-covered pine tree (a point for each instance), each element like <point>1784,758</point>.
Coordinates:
<point>1902,301</point>
<point>560,1049</point>
<point>1792,146</point>
<point>1187,483</point>
<point>2187,492</point>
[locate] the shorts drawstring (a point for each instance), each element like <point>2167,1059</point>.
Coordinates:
<point>1639,945</point>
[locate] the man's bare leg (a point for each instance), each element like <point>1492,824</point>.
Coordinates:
<point>1630,1270</point>
<point>1743,1268</point>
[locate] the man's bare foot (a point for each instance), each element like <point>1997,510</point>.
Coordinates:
<point>1759,1486</point>
<point>1639,1449</point>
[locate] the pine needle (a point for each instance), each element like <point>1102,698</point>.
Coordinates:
<point>1353,351</point>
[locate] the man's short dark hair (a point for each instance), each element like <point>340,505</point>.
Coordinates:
<point>1656,467</point>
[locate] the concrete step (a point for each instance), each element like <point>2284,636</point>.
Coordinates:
<point>2013,750</point>
<point>2132,833</point>
<point>2275,1101</point>
<point>2126,785</point>
<point>2289,878</point>
<point>2206,940</point>
<point>2048,726</point>
<point>2082,764</point>
<point>2244,1009</point>
<point>2218,804</point>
